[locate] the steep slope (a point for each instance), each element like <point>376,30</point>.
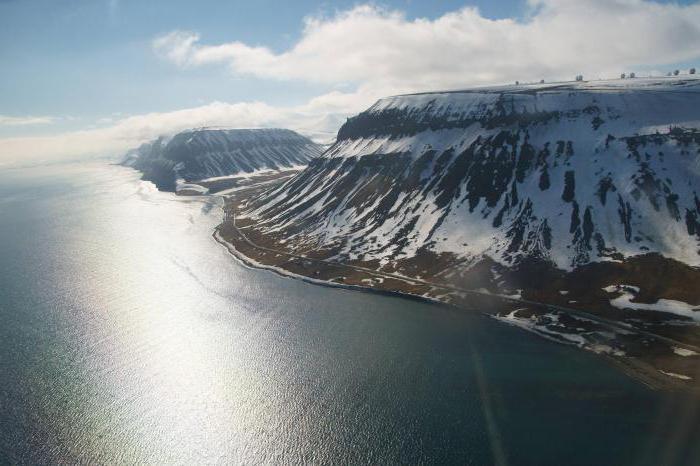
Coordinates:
<point>568,210</point>
<point>203,153</point>
<point>564,174</point>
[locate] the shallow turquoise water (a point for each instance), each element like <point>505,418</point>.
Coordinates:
<point>128,335</point>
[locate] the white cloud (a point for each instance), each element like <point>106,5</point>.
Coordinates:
<point>176,46</point>
<point>371,46</point>
<point>128,132</point>
<point>375,52</point>
<point>25,120</point>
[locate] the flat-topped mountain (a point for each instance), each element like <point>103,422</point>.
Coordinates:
<point>571,210</point>
<point>562,174</point>
<point>204,153</point>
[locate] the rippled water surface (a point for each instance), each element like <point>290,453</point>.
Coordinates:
<point>128,335</point>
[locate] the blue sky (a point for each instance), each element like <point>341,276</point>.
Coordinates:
<point>98,75</point>
<point>89,59</point>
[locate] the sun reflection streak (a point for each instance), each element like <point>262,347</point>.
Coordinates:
<point>164,376</point>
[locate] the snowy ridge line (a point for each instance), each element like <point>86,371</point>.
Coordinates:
<point>636,83</point>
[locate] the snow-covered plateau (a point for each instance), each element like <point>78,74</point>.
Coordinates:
<point>568,173</point>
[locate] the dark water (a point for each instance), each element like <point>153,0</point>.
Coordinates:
<point>128,335</point>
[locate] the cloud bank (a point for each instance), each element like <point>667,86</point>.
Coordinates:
<point>314,119</point>
<point>376,52</point>
<point>25,120</point>
<point>370,46</point>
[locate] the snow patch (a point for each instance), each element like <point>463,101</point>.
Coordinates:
<point>684,352</point>
<point>676,376</point>
<point>190,187</point>
<point>670,306</point>
<point>540,326</point>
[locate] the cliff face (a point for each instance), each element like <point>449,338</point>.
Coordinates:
<point>562,174</point>
<point>204,153</point>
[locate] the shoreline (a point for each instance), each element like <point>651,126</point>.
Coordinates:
<point>253,264</point>
<point>632,367</point>
<point>638,359</point>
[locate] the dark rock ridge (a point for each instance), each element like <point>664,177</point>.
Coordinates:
<point>204,153</point>
<point>566,175</point>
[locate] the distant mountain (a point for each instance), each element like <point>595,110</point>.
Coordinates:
<point>203,153</point>
<point>561,174</point>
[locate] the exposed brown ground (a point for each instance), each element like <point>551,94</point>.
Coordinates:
<point>648,341</point>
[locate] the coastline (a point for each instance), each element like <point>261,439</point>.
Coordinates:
<point>634,367</point>
<point>655,365</point>
<point>253,264</point>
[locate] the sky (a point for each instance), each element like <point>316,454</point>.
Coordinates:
<point>82,78</point>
